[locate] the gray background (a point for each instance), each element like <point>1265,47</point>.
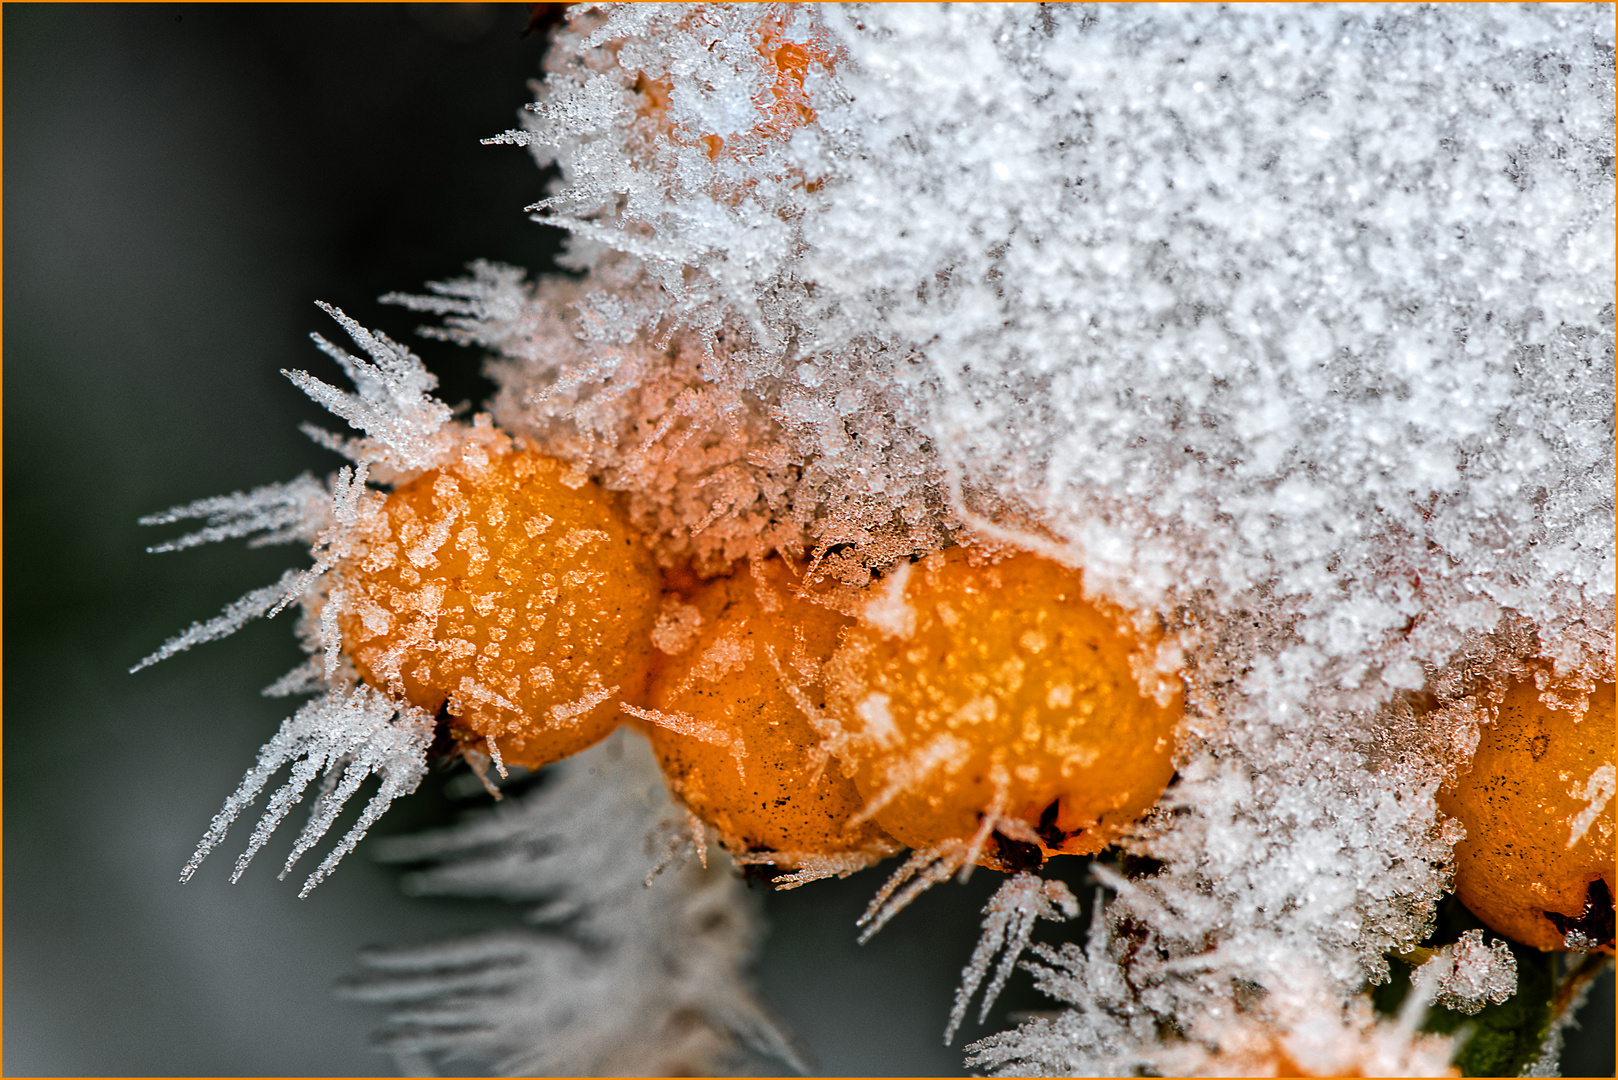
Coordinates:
<point>181,182</point>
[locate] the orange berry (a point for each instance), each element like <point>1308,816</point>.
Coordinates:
<point>1537,804</point>
<point>517,600</point>
<point>735,711</point>
<point>971,690</point>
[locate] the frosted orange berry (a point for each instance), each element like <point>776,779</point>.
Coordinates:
<point>972,690</point>
<point>519,603</point>
<point>1537,804</point>
<point>737,717</point>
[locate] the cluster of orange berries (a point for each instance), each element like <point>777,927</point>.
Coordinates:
<point>958,699</point>
<point>965,699</point>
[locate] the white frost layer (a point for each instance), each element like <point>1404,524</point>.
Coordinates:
<point>1307,311</point>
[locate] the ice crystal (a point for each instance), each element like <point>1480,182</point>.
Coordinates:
<point>1469,974</point>
<point>721,452</point>
<point>1298,1028</point>
<point>1569,1000</point>
<point>408,431</point>
<point>1098,1036</point>
<point>920,872</point>
<point>272,514</point>
<point>351,732</point>
<point>1008,925</point>
<point>405,426</point>
<point>627,976</point>
<point>346,736</point>
<point>260,602</point>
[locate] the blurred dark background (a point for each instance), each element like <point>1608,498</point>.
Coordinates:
<point>181,182</point>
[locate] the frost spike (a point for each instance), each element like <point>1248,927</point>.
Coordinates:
<point>266,601</point>
<point>1008,920</point>
<point>295,510</point>
<point>358,729</point>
